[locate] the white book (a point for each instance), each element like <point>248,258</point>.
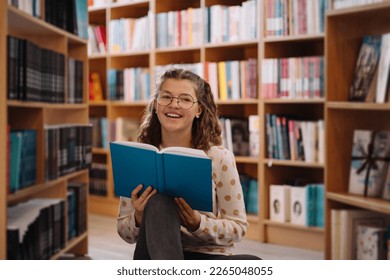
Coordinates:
<point>298,205</point>
<point>279,203</point>
<point>383,69</point>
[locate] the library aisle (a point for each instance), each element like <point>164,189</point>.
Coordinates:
<point>105,244</point>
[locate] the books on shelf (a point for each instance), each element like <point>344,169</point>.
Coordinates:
<point>129,34</point>
<point>293,78</point>
<point>344,231</point>
<point>383,83</point>
<point>301,17</point>
<point>250,192</point>
<point>289,139</point>
<point>231,23</point>
<point>98,179</point>
<point>371,243</point>
<point>23,159</point>
<point>36,229</point>
<point>129,84</point>
<point>174,171</point>
<point>366,66</point>
<point>254,135</point>
<point>369,163</point>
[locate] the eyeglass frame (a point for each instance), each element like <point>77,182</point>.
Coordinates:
<point>178,101</point>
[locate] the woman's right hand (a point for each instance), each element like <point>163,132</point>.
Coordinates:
<point>139,201</point>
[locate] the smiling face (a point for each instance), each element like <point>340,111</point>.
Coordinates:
<point>175,121</point>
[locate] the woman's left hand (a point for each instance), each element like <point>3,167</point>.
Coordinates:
<point>190,218</point>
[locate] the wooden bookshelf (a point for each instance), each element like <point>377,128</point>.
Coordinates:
<point>35,115</point>
<point>344,31</point>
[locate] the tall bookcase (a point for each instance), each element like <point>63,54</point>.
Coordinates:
<point>36,115</point>
<point>345,29</point>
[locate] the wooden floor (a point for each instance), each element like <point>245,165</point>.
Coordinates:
<point>105,244</point>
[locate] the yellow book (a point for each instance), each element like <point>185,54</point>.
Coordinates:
<point>222,80</point>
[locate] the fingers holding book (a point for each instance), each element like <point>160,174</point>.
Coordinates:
<point>189,217</point>
<point>139,201</point>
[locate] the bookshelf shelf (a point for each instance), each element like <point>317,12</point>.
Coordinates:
<point>294,38</point>
<point>295,227</point>
<point>374,204</point>
<point>344,31</point>
<point>31,191</point>
<point>358,106</point>
<point>26,115</point>
<point>276,162</point>
<point>294,101</point>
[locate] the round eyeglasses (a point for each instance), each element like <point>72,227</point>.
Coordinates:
<point>184,100</point>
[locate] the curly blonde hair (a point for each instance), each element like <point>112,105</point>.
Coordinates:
<point>206,130</point>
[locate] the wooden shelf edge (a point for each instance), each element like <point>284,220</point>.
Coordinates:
<point>21,17</point>
<point>294,38</point>
<point>24,193</point>
<point>292,163</point>
<point>43,105</point>
<point>346,105</point>
<point>294,227</point>
<point>370,203</point>
<point>70,245</point>
<point>294,101</point>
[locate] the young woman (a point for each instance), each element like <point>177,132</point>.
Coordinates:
<point>183,113</point>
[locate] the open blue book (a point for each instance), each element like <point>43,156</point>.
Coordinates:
<point>174,171</point>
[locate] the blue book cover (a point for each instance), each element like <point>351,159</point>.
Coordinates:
<point>174,171</point>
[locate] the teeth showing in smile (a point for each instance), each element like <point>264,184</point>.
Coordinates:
<point>172,115</point>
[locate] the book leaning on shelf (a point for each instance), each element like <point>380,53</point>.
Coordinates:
<point>173,171</point>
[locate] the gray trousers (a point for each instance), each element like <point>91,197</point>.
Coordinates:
<point>159,235</point>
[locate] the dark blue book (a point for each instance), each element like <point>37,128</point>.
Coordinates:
<point>174,171</point>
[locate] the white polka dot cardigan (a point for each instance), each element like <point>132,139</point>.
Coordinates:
<point>218,230</point>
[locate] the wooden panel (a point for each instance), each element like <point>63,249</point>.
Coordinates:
<point>302,238</point>
<point>103,206</point>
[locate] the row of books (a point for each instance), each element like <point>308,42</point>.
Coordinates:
<point>294,77</point>
<point>301,205</point>
<point>370,164</point>
<point>127,34</point>
<point>23,159</point>
<point>341,4</point>
<point>71,16</point>
<point>41,227</point>
<point>98,179</point>
<point>359,234</point>
<point>229,80</point>
<point>38,74</point>
<point>241,136</point>
<point>130,84</point>
<point>250,191</point>
<point>291,139</point>
<point>68,148</point>
<point>31,7</point>
<point>370,82</point>
<point>296,17</point>
<point>231,23</point>
<point>97,40</point>
<point>105,131</point>
<point>179,28</point>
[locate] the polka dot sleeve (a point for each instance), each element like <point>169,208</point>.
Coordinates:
<point>229,224</point>
<point>126,227</point>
